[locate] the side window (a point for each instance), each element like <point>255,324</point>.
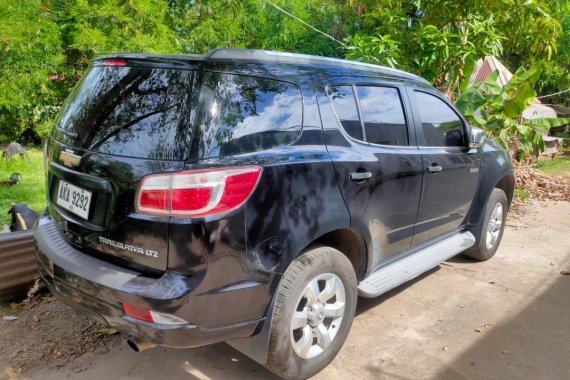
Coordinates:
<point>383,114</point>
<point>440,124</point>
<point>242,114</point>
<point>344,104</point>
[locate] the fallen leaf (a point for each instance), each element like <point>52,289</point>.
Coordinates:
<point>565,273</point>
<point>108,331</point>
<point>483,326</point>
<point>9,317</point>
<point>15,307</point>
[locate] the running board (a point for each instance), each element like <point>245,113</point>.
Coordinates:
<point>411,266</point>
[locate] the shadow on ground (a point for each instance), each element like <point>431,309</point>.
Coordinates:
<point>533,344</point>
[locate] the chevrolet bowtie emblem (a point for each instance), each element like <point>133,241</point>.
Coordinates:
<point>69,159</point>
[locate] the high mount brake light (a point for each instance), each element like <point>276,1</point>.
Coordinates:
<point>118,62</point>
<point>197,193</point>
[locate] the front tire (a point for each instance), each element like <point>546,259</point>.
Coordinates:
<point>313,313</point>
<point>493,227</point>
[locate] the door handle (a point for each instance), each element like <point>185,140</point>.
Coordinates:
<point>434,169</point>
<point>360,176</point>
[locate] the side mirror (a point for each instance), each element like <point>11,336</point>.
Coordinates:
<point>477,138</point>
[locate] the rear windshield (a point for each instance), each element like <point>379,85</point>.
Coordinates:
<point>241,114</point>
<point>129,111</point>
<point>146,113</point>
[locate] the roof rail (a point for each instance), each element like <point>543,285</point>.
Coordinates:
<point>274,56</point>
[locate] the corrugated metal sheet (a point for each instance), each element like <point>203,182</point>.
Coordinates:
<point>486,66</point>
<point>481,73</point>
<point>17,264</point>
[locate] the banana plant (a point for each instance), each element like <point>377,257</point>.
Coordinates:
<point>498,110</point>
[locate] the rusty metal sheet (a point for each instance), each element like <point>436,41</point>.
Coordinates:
<point>17,264</point>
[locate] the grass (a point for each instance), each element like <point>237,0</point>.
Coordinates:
<point>522,194</point>
<point>560,165</point>
<point>30,190</point>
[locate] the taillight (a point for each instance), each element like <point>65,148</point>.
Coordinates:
<point>197,193</point>
<point>114,62</point>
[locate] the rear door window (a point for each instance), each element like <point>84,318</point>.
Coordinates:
<point>383,115</point>
<point>369,113</point>
<point>242,114</point>
<point>344,104</point>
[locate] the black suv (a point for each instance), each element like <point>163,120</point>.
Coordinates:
<point>250,196</point>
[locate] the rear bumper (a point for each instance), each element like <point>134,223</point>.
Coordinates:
<point>98,288</point>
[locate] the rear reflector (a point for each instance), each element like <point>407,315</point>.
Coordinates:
<point>151,316</point>
<point>138,312</point>
<point>197,193</point>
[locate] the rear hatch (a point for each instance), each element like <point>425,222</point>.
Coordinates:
<point>123,121</point>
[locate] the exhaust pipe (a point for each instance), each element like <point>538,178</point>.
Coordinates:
<point>139,345</point>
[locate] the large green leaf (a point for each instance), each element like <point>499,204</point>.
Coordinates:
<point>519,101</point>
<point>476,95</point>
<point>470,100</point>
<point>468,68</point>
<point>546,123</point>
<point>522,76</point>
<point>524,130</point>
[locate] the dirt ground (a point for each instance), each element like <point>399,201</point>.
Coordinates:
<point>505,318</point>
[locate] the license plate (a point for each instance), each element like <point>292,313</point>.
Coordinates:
<point>74,199</point>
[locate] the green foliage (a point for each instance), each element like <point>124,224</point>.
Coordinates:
<point>45,46</point>
<point>30,51</point>
<point>498,111</point>
<point>31,189</point>
<point>442,39</point>
<point>557,74</point>
<point>378,49</point>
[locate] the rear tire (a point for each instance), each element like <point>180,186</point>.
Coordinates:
<point>493,227</point>
<point>313,313</point>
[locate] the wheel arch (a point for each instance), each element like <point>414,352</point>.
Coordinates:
<point>350,243</point>
<point>506,182</point>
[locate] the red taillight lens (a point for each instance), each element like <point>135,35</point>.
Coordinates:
<point>191,199</point>
<point>157,199</point>
<point>151,316</point>
<point>197,193</point>
<point>238,189</point>
<point>119,62</point>
<point>138,312</point>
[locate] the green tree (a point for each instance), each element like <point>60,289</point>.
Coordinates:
<point>46,45</point>
<point>442,39</point>
<point>31,57</point>
<point>556,75</point>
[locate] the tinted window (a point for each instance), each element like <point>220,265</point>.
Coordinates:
<point>383,114</point>
<point>344,104</point>
<point>129,111</point>
<point>240,114</point>
<point>440,124</point>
